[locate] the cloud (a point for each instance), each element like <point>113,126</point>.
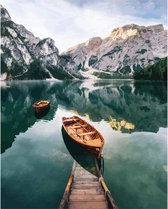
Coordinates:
<point>70,22</point>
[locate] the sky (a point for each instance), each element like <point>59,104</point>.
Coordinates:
<point>70,22</point>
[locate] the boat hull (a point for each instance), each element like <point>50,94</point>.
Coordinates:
<point>41,109</point>
<point>94,149</point>
<point>41,106</point>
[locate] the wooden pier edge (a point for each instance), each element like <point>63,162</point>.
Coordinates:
<point>108,194</point>
<point>65,197</point>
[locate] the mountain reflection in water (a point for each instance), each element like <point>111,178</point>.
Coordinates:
<point>141,104</point>
<point>86,160</point>
<point>34,153</point>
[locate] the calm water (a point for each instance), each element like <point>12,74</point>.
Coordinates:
<point>36,161</point>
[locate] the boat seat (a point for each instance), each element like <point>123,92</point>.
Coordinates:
<point>70,119</point>
<point>87,133</point>
<point>81,126</point>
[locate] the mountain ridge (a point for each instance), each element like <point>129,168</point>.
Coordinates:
<point>125,51</point>
<point>21,50</point>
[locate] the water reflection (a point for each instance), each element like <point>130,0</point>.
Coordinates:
<point>121,125</point>
<point>41,114</point>
<point>79,154</point>
<point>134,163</point>
<point>142,105</point>
<point>40,160</point>
<point>17,114</point>
<point>36,168</point>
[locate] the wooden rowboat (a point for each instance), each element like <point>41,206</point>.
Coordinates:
<point>84,134</point>
<point>41,105</point>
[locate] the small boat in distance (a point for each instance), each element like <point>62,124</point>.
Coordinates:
<point>84,134</point>
<point>41,105</point>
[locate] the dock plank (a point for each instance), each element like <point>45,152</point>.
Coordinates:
<point>85,179</point>
<point>87,197</point>
<point>85,192</point>
<point>91,184</point>
<point>90,191</point>
<point>88,205</point>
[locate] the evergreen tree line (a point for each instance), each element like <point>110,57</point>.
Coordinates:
<point>157,71</point>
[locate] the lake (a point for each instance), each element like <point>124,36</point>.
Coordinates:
<point>36,162</point>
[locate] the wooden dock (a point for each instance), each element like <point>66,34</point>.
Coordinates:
<point>86,191</point>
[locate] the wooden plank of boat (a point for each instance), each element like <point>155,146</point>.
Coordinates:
<point>84,134</point>
<point>41,105</point>
<point>78,126</point>
<point>87,133</point>
<point>70,119</point>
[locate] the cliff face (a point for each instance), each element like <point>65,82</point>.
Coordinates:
<point>122,54</point>
<point>21,50</point>
<point>126,50</point>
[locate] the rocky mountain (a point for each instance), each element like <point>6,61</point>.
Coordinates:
<point>24,56</point>
<point>125,51</point>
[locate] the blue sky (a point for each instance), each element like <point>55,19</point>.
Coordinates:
<point>70,22</point>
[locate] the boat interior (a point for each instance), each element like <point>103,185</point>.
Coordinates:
<point>82,131</point>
